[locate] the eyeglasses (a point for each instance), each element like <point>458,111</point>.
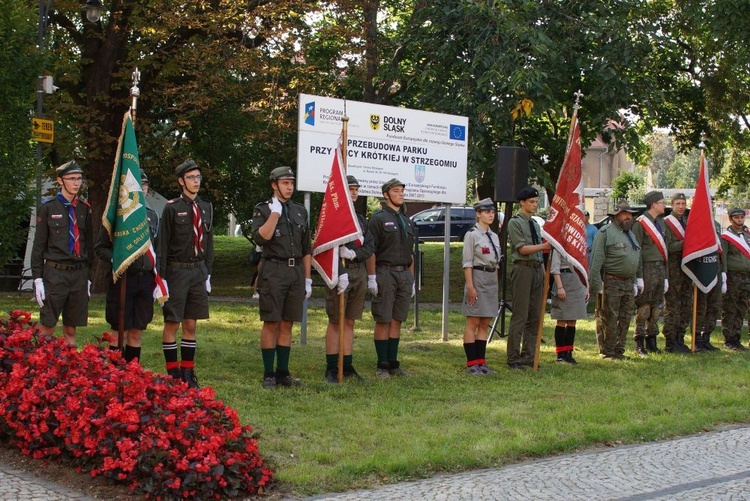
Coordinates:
<point>194,177</point>
<point>73,179</point>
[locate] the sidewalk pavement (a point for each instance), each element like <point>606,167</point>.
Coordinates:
<point>713,465</point>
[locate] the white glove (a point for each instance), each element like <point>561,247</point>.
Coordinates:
<point>343,283</point>
<point>308,288</point>
<point>208,284</point>
<point>666,285</point>
<point>89,289</point>
<point>639,284</point>
<point>347,253</point>
<point>275,205</point>
<point>413,289</point>
<point>635,290</point>
<point>372,284</point>
<point>723,282</point>
<point>39,291</point>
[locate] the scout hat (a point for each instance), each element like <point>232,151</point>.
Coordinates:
<point>652,197</point>
<point>144,177</point>
<point>526,193</point>
<point>391,183</point>
<point>678,196</point>
<point>186,166</point>
<point>282,173</point>
<point>736,212</point>
<point>484,204</point>
<point>352,181</point>
<point>68,168</point>
<point>622,206</point>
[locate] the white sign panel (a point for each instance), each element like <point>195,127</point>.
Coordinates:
<point>426,151</point>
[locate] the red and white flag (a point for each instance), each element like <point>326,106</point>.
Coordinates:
<point>337,223</point>
<point>565,228</point>
<point>700,250</point>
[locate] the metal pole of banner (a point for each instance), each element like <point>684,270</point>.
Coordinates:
<point>446,269</point>
<point>303,324</point>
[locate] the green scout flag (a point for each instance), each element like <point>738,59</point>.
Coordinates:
<point>125,217</point>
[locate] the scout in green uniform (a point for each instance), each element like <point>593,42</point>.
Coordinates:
<point>652,273</point>
<point>354,272</point>
<point>139,288</point>
<point>280,226</point>
<point>678,300</point>
<point>390,276</point>
<point>527,278</point>
<point>735,245</point>
<point>709,305</point>
<point>62,254</point>
<point>614,263</point>
<point>185,259</point>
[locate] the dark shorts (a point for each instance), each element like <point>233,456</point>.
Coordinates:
<point>188,297</point>
<point>282,291</point>
<point>394,295</point>
<point>66,292</point>
<point>139,301</point>
<point>355,295</point>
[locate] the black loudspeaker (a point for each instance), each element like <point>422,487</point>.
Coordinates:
<point>512,174</point>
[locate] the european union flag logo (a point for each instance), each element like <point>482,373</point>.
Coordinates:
<point>310,113</point>
<point>458,132</point>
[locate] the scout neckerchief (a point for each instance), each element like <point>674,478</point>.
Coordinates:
<point>676,226</point>
<point>197,230</point>
<point>74,242</point>
<point>738,241</point>
<point>654,232</point>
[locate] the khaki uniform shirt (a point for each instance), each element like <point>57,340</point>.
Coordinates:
<point>649,249</point>
<point>613,253</point>
<point>734,259</point>
<point>291,237</point>
<point>478,248</point>
<point>519,234</point>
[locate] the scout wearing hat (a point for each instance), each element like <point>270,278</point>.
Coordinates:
<point>353,285</point>
<point>480,260</point>
<point>652,277</point>
<point>613,268</point>
<point>527,277</point>
<point>280,227</point>
<point>390,276</point>
<point>678,302</point>
<point>62,254</point>
<point>185,260</point>
<point>735,245</point>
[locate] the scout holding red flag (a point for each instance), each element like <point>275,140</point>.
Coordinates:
<point>565,230</point>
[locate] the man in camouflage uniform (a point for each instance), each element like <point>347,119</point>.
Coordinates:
<point>678,299</point>
<point>709,305</point>
<point>614,264</point>
<point>735,245</point>
<point>652,273</point>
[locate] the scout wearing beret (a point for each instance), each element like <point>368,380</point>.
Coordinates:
<point>735,243</point>
<point>678,302</point>
<point>185,250</point>
<point>62,254</point>
<point>353,284</point>
<point>480,261</point>
<point>390,276</point>
<point>527,276</point>
<point>280,227</point>
<point>652,280</point>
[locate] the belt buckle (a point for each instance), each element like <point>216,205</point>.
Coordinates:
<point>290,262</point>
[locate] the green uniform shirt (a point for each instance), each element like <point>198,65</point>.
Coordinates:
<point>175,239</point>
<point>519,234</point>
<point>734,259</point>
<point>291,237</point>
<point>649,249</point>
<point>613,253</point>
<point>674,242</point>
<point>393,237</point>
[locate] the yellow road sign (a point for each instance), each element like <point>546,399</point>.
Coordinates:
<point>42,130</point>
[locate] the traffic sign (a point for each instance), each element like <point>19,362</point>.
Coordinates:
<point>42,130</point>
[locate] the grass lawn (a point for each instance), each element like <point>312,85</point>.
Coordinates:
<point>324,438</point>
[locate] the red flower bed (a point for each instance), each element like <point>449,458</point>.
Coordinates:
<point>157,436</point>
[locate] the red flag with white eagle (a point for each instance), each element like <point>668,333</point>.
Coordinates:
<point>565,228</point>
<point>700,249</point>
<point>337,223</point>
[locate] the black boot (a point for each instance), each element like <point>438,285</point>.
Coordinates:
<point>670,346</point>
<point>707,341</point>
<point>679,345</point>
<point>640,350</point>
<point>699,346</point>
<point>188,375</point>
<point>651,345</point>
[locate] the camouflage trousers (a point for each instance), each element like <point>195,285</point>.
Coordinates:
<point>647,303</point>
<point>709,309</point>
<point>613,313</point>
<point>735,305</point>
<point>678,302</point>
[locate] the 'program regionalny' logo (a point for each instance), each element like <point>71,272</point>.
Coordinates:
<point>310,113</point>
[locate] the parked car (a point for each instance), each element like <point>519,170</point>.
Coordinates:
<point>431,223</point>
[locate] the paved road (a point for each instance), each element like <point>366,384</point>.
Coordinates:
<point>713,465</point>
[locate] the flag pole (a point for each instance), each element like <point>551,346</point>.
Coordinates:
<point>695,316</point>
<point>342,299</point>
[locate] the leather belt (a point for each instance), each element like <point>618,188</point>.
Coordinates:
<point>488,269</point>
<point>616,277</point>
<point>352,264</point>
<point>393,267</point>
<point>289,261</point>
<point>566,270</point>
<point>528,263</point>
<point>64,267</point>
<point>140,273</point>
<point>177,264</point>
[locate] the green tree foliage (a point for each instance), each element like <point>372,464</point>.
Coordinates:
<point>627,186</point>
